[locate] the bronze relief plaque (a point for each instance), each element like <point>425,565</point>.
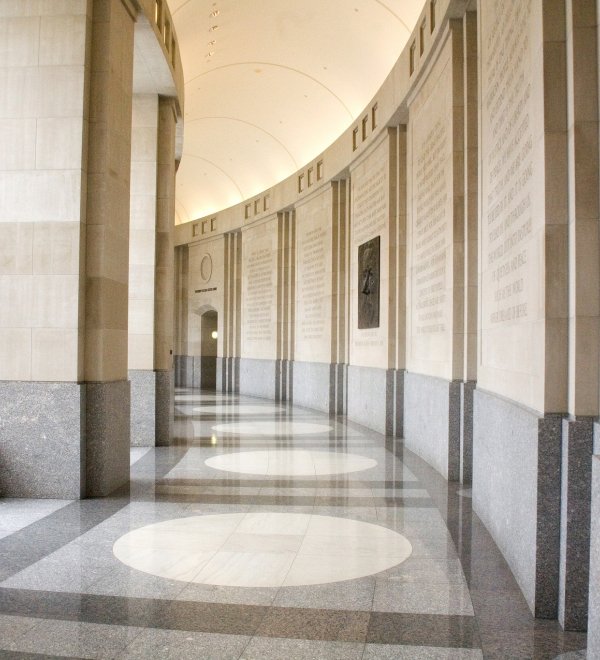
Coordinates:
<point>368,284</point>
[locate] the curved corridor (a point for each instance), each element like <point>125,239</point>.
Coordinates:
<point>265,531</point>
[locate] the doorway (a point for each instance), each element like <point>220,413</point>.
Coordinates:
<point>209,340</point>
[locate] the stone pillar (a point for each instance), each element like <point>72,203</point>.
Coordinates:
<point>584,311</point>
<point>142,251</point>
<point>164,286</point>
<point>107,247</point>
<point>64,184</point>
<point>471,246</point>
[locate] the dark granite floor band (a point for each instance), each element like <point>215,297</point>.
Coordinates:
<point>295,483</point>
<point>293,500</point>
<point>443,631</point>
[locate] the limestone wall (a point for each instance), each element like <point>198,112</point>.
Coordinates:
<point>206,281</point>
<point>435,232</point>
<point>522,266</point>
<point>314,282</point>
<point>259,291</point>
<point>43,118</point>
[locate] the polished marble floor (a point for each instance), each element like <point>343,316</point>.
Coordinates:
<point>265,531</point>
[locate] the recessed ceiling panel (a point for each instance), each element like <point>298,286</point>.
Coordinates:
<point>271,83</point>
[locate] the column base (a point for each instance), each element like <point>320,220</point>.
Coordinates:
<point>42,440</point>
<point>576,474</point>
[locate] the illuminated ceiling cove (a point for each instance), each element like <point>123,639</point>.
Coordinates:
<point>270,84</point>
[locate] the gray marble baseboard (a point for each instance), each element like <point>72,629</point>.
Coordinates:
<point>593,636</point>
<point>372,398</point>
<point>164,407</point>
<point>42,440</point>
<point>466,431</point>
<point>143,396</point>
<point>576,477</point>
<point>312,385</point>
<point>258,378</point>
<point>432,421</point>
<point>187,371</point>
<point>516,492</point>
<point>107,427</point>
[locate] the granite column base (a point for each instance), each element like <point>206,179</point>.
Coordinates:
<point>466,431</point>
<point>284,377</point>
<point>164,407</point>
<point>143,396</point>
<point>593,627</point>
<point>63,440</point>
<point>576,478</point>
<point>42,440</point>
<point>107,428</point>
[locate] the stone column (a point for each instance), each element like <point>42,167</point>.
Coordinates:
<point>164,286</point>
<point>142,254</point>
<point>584,312</point>
<point>64,185</point>
<point>107,247</point>
<point>471,245</point>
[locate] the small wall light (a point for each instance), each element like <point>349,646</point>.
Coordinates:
<point>214,334</point>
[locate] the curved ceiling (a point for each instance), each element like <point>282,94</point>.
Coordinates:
<point>271,83</point>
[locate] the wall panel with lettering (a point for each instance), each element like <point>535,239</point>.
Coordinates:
<point>514,210</point>
<point>259,291</point>
<point>314,278</point>
<point>435,223</point>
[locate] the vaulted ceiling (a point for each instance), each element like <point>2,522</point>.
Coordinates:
<point>271,83</point>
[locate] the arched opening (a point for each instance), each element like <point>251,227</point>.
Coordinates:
<point>208,347</point>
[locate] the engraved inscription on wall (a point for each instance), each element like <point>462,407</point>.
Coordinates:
<point>370,205</point>
<point>312,284</point>
<point>258,320</point>
<point>507,165</point>
<point>430,230</point>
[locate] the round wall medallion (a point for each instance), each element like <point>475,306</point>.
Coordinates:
<point>206,268</point>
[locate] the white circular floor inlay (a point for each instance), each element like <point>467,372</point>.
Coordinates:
<point>262,549</point>
<point>290,462</point>
<point>272,428</point>
<point>235,409</point>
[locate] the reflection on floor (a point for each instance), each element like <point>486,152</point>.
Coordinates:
<point>265,531</point>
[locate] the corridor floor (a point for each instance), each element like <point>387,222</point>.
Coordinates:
<point>265,531</point>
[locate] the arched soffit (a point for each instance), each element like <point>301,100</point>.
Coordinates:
<point>204,309</point>
<point>274,84</point>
